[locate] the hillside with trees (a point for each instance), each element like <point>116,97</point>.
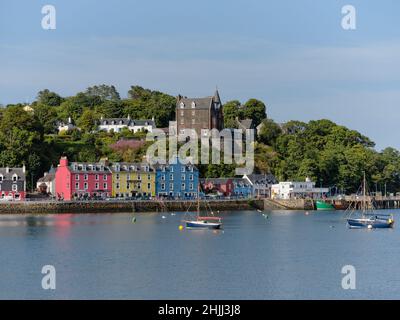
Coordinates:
<point>330,154</point>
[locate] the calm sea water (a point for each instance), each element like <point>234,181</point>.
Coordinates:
<point>290,255</point>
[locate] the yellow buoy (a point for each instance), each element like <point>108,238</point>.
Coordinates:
<point>181,228</point>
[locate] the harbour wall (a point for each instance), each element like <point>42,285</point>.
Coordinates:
<point>43,207</point>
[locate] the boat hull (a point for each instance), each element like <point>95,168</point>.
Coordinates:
<point>370,223</point>
<point>324,206</point>
<point>203,225</point>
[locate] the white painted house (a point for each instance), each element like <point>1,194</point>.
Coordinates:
<point>66,126</point>
<point>117,124</point>
<point>297,190</point>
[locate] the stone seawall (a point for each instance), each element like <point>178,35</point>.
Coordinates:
<point>290,204</point>
<point>42,207</point>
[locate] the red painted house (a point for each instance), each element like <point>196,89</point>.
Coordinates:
<point>223,186</point>
<point>83,180</point>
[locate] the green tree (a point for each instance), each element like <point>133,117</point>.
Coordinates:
<point>104,92</point>
<point>49,98</point>
<point>88,121</point>
<point>253,109</point>
<point>269,132</point>
<point>231,113</point>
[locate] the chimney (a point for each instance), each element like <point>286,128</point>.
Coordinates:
<point>64,162</point>
<point>46,173</point>
<point>23,168</point>
<point>7,169</point>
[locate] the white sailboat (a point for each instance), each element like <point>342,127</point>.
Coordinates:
<point>203,222</point>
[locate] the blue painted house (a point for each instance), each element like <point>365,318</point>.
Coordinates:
<point>242,188</point>
<point>176,180</point>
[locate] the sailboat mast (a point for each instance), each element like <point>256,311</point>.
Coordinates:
<point>198,199</point>
<point>364,194</point>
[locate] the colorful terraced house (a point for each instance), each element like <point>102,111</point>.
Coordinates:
<point>177,180</point>
<point>133,180</point>
<point>83,180</point>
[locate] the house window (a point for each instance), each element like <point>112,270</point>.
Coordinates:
<point>105,186</point>
<point>139,186</point>
<point>76,185</point>
<point>183,176</point>
<point>183,169</point>
<point>128,186</point>
<point>171,169</point>
<point>97,186</point>
<point>191,186</point>
<point>182,105</point>
<point>183,186</point>
<point>1,178</point>
<point>139,177</point>
<point>191,177</point>
<point>77,177</point>
<point>97,177</point>
<point>117,185</point>
<point>171,186</point>
<point>117,176</point>
<point>163,177</point>
<point>149,186</point>
<point>14,187</point>
<point>85,186</point>
<point>171,177</point>
<point>105,177</point>
<point>193,104</point>
<point>148,177</point>
<point>85,177</point>
<point>162,186</point>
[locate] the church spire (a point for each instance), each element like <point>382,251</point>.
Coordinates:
<point>217,98</point>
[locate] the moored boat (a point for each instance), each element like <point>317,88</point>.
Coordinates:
<point>370,220</point>
<point>323,205</point>
<point>203,222</point>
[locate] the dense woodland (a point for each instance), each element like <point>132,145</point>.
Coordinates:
<point>330,154</point>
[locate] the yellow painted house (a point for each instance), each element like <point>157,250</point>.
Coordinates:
<point>133,179</point>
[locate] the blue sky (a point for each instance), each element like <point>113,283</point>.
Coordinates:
<point>293,55</point>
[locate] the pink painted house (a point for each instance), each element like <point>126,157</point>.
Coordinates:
<point>83,180</point>
<point>223,186</point>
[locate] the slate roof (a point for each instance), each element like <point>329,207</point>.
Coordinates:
<point>11,171</point>
<point>245,124</point>
<point>47,178</point>
<point>89,167</point>
<point>126,122</point>
<point>216,180</point>
<point>131,167</point>
<point>200,103</point>
<point>262,178</point>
